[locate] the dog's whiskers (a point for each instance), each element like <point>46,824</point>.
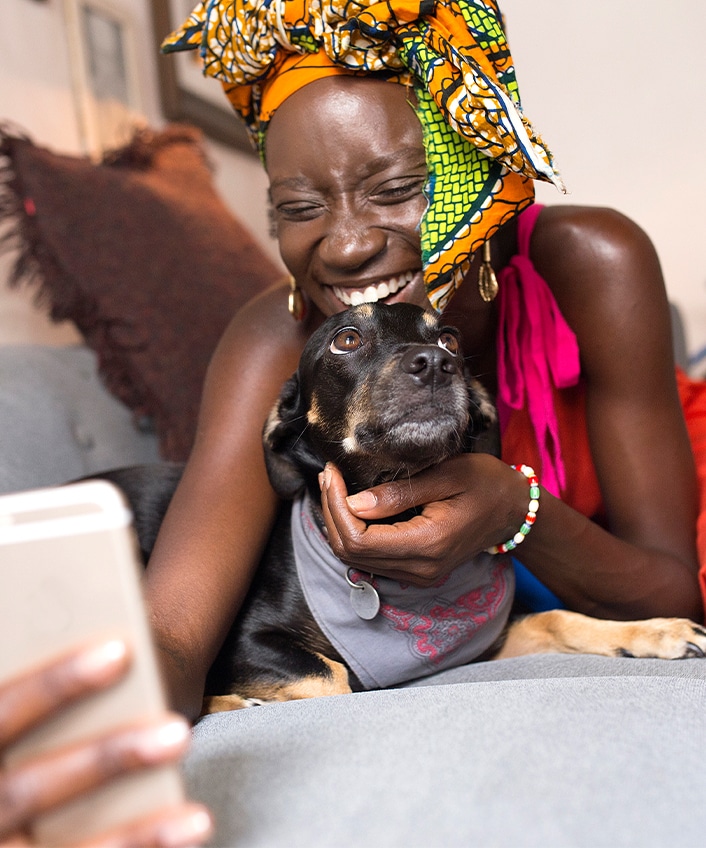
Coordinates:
<point>400,469</point>
<point>301,435</point>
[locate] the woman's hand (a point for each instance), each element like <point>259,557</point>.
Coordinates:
<point>55,778</point>
<point>469,503</point>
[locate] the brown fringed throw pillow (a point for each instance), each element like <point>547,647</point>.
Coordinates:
<point>143,255</point>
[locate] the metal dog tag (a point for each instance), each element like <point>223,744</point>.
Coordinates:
<point>364,598</point>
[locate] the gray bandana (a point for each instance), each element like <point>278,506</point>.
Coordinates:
<point>417,631</point>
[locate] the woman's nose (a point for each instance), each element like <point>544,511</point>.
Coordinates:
<point>350,241</point>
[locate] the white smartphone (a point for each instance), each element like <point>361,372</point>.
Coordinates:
<point>70,572</point>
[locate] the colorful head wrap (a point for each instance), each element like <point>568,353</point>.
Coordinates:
<point>482,153</point>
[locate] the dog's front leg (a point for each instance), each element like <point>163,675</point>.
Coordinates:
<point>564,632</point>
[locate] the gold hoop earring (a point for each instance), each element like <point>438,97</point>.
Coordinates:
<point>296,304</point>
<point>487,281</point>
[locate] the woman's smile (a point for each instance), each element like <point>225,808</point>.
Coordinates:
<point>375,292</point>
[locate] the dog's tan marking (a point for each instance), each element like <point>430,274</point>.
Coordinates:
<point>315,686</point>
<point>222,704</point>
<point>483,402</point>
<point>430,319</point>
<point>313,416</point>
<point>273,421</point>
<point>564,632</point>
<point>356,414</point>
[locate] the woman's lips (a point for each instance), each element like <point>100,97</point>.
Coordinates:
<point>373,293</point>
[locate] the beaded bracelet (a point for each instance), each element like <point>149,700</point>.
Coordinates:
<point>531,516</point>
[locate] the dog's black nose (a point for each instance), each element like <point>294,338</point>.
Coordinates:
<point>429,365</point>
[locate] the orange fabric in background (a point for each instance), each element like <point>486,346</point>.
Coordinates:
<point>693,399</point>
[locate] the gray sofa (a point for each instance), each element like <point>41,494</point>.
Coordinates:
<point>552,751</point>
<point>545,751</point>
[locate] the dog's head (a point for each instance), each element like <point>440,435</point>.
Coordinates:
<point>381,391</point>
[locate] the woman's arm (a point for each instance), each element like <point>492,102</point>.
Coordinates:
<point>221,514</point>
<point>606,277</point>
<point>607,281</point>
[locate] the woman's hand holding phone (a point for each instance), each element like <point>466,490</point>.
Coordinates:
<point>54,778</point>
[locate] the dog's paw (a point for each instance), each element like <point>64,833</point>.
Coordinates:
<point>663,638</point>
<point>226,703</point>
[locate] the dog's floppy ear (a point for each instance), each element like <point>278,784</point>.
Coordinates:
<point>290,461</point>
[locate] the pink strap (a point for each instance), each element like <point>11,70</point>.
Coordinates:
<point>535,345</point>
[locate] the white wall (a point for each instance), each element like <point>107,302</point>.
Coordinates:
<point>616,87</point>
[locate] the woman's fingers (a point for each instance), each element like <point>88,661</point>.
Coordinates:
<point>46,782</point>
<point>460,512</point>
<point>403,551</point>
<point>390,499</point>
<point>175,827</point>
<point>29,698</point>
<point>340,521</point>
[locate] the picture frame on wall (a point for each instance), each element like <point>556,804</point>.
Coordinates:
<point>186,94</point>
<point>104,73</point>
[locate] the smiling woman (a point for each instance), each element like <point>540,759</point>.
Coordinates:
<point>481,151</point>
<point>395,150</point>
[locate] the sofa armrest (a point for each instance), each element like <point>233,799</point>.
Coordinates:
<point>534,751</point>
<point>57,420</point>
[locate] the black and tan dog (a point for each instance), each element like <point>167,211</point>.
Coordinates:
<point>383,392</point>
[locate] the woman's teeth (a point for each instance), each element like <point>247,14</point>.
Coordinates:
<point>354,297</point>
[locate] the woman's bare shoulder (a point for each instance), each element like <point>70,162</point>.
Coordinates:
<point>567,230</point>
<point>258,351</point>
<point>604,273</point>
<point>262,334</point>
<point>263,313</point>
<point>573,241</point>
<point>596,261</point>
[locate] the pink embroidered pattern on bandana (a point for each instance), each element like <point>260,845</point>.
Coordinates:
<point>438,630</point>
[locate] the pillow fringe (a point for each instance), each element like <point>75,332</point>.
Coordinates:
<point>20,235</point>
<point>15,232</point>
<point>55,290</point>
<point>146,144</point>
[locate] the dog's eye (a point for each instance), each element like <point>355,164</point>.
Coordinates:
<point>449,342</point>
<point>346,341</point>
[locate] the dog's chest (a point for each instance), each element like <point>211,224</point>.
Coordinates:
<point>416,631</point>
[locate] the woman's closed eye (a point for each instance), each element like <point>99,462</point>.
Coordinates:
<point>298,210</point>
<point>398,190</point>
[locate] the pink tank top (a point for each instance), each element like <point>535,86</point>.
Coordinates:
<point>537,352</point>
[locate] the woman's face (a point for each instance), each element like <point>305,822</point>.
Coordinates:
<point>346,166</point>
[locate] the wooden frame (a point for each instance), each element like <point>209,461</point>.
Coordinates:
<point>186,95</point>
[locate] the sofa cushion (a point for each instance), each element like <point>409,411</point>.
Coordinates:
<point>143,255</point>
